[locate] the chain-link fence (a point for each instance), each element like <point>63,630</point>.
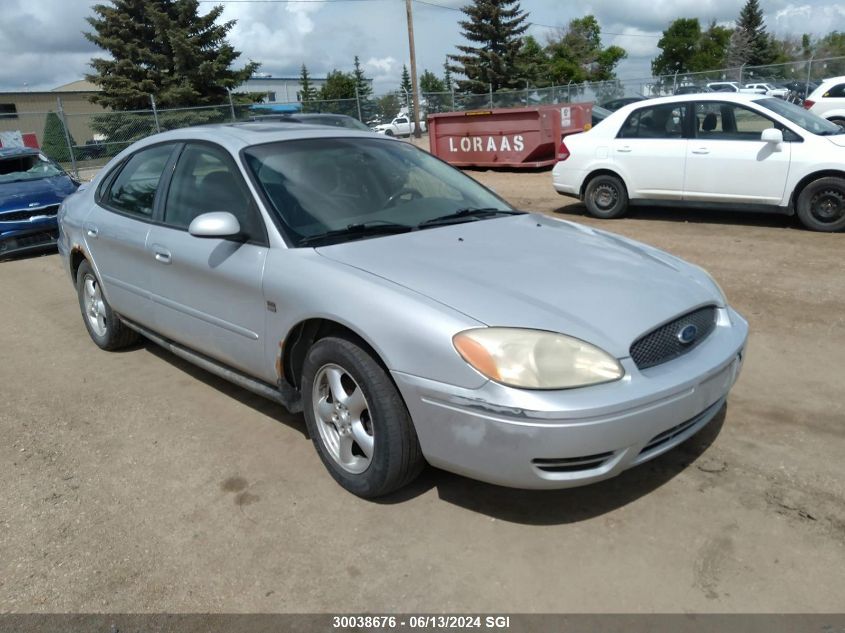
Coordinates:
<point>83,140</point>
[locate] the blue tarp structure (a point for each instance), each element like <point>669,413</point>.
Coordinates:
<point>276,108</point>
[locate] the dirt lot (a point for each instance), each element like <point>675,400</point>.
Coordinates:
<point>134,482</point>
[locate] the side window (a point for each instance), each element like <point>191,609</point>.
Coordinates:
<point>837,92</point>
<point>729,122</point>
<point>205,180</point>
<point>133,190</point>
<point>663,121</point>
<point>398,121</point>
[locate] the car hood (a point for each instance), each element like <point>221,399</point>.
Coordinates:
<point>537,272</point>
<point>35,193</point>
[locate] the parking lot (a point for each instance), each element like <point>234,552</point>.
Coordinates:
<point>135,482</point>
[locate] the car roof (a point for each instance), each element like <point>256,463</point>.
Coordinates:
<point>236,136</point>
<point>9,152</point>
<point>738,97</point>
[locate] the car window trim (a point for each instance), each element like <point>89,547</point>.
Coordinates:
<point>775,123</point>
<point>170,169</point>
<point>103,199</point>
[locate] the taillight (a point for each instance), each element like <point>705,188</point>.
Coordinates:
<point>562,151</point>
<point>809,104</point>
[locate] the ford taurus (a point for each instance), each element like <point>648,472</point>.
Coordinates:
<point>413,315</point>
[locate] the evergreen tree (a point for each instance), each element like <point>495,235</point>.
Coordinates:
<point>532,63</point>
<point>447,76</point>
<point>307,92</point>
<point>364,89</point>
<point>405,84</point>
<point>53,142</point>
<point>494,29</point>
<point>751,24</point>
<point>164,48</point>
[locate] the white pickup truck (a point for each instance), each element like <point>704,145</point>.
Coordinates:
<point>400,126</point>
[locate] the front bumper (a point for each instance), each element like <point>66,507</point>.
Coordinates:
<point>29,239</point>
<point>560,439</point>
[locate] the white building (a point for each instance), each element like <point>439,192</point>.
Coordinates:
<point>280,89</point>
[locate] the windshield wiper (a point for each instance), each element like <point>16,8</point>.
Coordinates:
<point>468,214</point>
<point>362,229</point>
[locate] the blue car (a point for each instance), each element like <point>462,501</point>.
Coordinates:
<point>31,189</point>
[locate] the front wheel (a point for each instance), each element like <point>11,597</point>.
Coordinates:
<point>606,197</point>
<point>357,420</point>
<point>821,205</point>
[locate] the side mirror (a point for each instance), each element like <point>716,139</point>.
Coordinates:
<point>220,224</point>
<point>772,135</point>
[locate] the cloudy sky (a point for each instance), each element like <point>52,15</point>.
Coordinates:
<point>42,45</point>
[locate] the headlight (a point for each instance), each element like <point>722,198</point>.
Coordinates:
<point>533,359</point>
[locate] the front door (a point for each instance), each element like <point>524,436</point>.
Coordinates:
<point>728,162</point>
<point>208,291</point>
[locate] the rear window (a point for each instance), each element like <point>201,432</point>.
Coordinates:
<point>837,92</point>
<point>661,121</point>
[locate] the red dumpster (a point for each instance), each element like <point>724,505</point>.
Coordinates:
<point>505,137</point>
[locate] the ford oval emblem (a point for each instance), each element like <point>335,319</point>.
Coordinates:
<point>687,334</point>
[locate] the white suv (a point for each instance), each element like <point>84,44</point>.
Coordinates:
<point>715,149</point>
<point>828,100</point>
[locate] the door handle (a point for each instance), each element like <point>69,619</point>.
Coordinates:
<point>91,231</point>
<point>624,149</point>
<point>162,255</point>
<point>701,150</point>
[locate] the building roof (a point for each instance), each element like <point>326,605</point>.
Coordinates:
<point>80,85</point>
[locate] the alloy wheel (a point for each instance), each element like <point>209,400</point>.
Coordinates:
<point>342,414</point>
<point>95,308</point>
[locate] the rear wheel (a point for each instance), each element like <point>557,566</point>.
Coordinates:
<point>104,326</point>
<point>838,120</point>
<point>821,205</point>
<point>357,420</point>
<point>606,197</point>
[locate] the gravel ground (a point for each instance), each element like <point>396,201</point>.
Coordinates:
<point>134,482</point>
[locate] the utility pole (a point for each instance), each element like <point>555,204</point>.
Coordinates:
<point>414,86</point>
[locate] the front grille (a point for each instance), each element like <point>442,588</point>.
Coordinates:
<point>25,214</point>
<point>663,344</point>
<point>571,464</point>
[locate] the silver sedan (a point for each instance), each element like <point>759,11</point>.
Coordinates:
<point>413,315</point>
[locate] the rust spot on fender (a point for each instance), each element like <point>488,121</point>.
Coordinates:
<point>280,370</point>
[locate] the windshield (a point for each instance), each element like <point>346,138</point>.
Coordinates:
<point>27,167</point>
<point>326,185</point>
<point>801,117</point>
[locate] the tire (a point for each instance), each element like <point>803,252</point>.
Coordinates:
<point>838,120</point>
<point>821,205</point>
<point>606,197</point>
<point>103,325</point>
<point>369,407</point>
<point>388,133</point>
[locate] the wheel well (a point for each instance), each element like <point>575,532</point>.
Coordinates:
<point>806,180</point>
<point>601,172</point>
<point>76,259</point>
<point>300,339</point>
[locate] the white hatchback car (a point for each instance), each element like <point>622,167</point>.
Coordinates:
<point>828,100</point>
<point>724,150</point>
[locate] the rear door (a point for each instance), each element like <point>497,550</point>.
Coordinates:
<point>116,231</point>
<point>207,292</point>
<point>650,149</point>
<point>727,160</point>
